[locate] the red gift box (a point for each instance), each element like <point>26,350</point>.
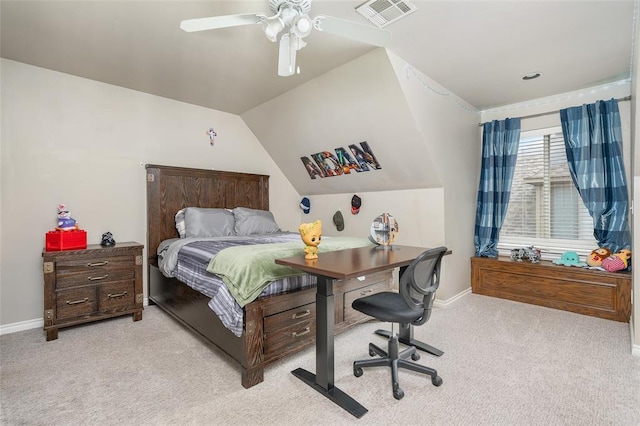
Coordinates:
<point>66,240</point>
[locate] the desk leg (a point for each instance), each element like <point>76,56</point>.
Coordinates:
<point>323,380</point>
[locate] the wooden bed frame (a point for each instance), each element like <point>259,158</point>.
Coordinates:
<point>273,326</point>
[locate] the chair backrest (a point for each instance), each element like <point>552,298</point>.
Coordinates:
<point>420,281</point>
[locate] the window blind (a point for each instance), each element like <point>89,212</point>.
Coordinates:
<point>545,208</point>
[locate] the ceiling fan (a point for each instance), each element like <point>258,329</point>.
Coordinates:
<point>291,24</point>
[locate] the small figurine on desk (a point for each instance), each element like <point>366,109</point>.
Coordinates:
<point>311,233</point>
<point>107,240</point>
<point>65,221</point>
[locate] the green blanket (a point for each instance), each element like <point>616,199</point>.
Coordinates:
<point>247,270</point>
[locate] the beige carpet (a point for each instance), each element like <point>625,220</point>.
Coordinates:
<point>505,363</point>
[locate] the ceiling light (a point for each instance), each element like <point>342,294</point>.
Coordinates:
<point>272,27</point>
<point>531,76</point>
<point>303,26</point>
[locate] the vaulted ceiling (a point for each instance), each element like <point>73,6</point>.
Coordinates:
<point>478,50</point>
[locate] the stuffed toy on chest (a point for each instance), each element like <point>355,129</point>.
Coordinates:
<point>597,256</point>
<point>618,261</point>
<point>65,221</point>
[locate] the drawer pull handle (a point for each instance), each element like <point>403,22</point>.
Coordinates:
<point>106,262</point>
<point>75,302</point>
<point>300,314</point>
<point>113,296</point>
<point>102,277</point>
<point>366,292</point>
<point>302,333</point>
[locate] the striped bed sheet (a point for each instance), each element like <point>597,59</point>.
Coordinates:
<point>191,268</point>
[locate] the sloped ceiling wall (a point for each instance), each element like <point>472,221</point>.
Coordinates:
<point>357,102</point>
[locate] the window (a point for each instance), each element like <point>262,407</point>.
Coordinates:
<point>545,209</point>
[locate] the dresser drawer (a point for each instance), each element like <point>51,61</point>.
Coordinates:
<point>96,276</point>
<point>70,273</point>
<point>76,302</point>
<point>350,314</point>
<point>117,296</point>
<point>290,328</point>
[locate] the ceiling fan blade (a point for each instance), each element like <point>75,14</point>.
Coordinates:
<point>214,22</point>
<point>353,30</point>
<point>286,56</point>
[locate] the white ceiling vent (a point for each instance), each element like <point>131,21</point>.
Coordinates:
<point>384,12</point>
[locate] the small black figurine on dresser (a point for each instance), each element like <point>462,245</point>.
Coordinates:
<point>107,240</point>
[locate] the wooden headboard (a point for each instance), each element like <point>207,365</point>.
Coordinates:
<point>170,189</point>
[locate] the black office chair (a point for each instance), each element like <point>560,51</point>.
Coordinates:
<point>412,305</point>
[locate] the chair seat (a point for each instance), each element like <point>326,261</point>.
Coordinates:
<point>387,306</point>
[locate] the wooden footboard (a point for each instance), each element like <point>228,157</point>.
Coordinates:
<point>584,291</point>
<point>274,326</point>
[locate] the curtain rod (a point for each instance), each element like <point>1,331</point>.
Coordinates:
<point>542,114</point>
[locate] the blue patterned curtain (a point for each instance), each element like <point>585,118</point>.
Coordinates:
<point>593,141</point>
<point>500,140</point>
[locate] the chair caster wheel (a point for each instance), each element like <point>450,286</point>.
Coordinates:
<point>357,371</point>
<point>371,353</point>
<point>415,356</point>
<point>398,394</point>
<point>437,381</point>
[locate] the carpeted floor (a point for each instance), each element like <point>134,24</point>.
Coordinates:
<point>505,363</point>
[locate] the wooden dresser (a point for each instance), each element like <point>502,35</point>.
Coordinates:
<point>92,284</point>
<point>584,291</point>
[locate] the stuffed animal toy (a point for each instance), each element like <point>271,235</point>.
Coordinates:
<point>618,261</point>
<point>65,221</point>
<point>597,256</point>
<point>570,258</point>
<point>531,253</point>
<point>311,233</point>
<point>107,240</point>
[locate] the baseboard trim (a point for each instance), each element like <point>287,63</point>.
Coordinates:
<point>21,326</point>
<point>34,323</point>
<point>444,303</point>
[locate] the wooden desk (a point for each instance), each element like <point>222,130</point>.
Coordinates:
<point>328,268</point>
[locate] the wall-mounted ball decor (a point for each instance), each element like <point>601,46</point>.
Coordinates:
<point>384,230</point>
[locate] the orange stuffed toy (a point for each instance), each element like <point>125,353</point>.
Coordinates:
<point>597,256</point>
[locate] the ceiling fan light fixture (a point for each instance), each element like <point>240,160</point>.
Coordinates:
<point>289,25</point>
<point>272,27</point>
<point>303,25</point>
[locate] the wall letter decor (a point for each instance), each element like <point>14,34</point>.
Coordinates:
<point>326,164</point>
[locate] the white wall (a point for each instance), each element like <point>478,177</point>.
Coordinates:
<point>356,102</point>
<point>418,139</point>
<point>449,127</point>
<point>70,140</point>
<point>402,205</point>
